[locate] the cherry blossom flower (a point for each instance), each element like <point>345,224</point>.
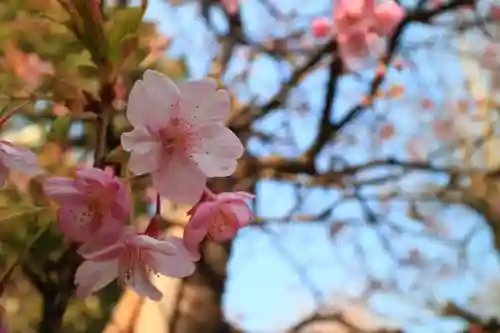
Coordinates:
<point>14,157</point>
<point>132,259</point>
<point>321,27</point>
<point>220,216</point>
<point>94,203</point>
<point>179,135</point>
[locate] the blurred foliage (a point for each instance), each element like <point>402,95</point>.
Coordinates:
<point>45,60</point>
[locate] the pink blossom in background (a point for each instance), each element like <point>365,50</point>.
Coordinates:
<point>220,216</point>
<point>132,259</point>
<point>30,67</point>
<point>489,58</point>
<point>59,109</point>
<point>443,129</point>
<point>14,157</point>
<point>361,23</point>
<point>415,149</point>
<point>495,11</point>
<point>230,5</point>
<point>94,203</point>
<point>179,135</point>
<point>321,27</point>
<point>388,14</point>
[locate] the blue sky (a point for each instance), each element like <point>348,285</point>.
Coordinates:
<point>280,274</point>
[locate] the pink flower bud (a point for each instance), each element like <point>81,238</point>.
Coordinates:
<point>220,216</point>
<point>321,27</point>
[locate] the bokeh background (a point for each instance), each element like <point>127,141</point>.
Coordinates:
<point>378,203</point>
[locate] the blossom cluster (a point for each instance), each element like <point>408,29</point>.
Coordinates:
<point>359,25</point>
<point>179,138</point>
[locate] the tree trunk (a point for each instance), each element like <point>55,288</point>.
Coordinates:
<point>199,299</point>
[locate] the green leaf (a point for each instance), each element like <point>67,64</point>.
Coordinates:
<point>79,59</point>
<point>124,25</point>
<point>60,128</point>
<point>37,194</point>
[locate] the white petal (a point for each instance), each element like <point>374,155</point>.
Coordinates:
<point>160,89</point>
<point>179,179</point>
<point>152,100</point>
<point>201,101</point>
<point>139,139</point>
<point>176,265</point>
<point>150,243</point>
<point>141,164</point>
<point>113,251</point>
<point>216,155</point>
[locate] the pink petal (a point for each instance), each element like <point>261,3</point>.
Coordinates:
<point>152,100</point>
<point>220,147</point>
<point>112,251</point>
<point>180,246</point>
<point>152,244</point>
<point>94,275</point>
<point>61,189</point>
<point>123,203</point>
<point>139,140</point>
<point>94,246</point>
<point>141,164</point>
<point>139,281</point>
<point>19,158</point>
<point>94,174</point>
<point>321,27</point>
<point>224,224</point>
<point>197,227</point>
<point>203,103</point>
<point>179,180</point>
<point>242,212</point>
<point>74,221</point>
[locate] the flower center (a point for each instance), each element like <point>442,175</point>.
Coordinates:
<point>178,135</point>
